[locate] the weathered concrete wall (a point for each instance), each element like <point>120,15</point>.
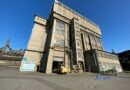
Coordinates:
<point>35,47</point>
<point>69,13</point>
<point>108,61</point>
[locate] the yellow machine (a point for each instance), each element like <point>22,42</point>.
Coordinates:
<point>63,70</point>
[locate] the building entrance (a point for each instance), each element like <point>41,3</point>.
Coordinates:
<point>56,66</point>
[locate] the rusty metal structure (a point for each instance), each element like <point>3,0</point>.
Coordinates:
<point>7,53</point>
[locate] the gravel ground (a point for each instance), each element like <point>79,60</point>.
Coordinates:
<point>12,79</point>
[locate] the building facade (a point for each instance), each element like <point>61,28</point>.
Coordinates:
<point>99,61</point>
<point>63,39</point>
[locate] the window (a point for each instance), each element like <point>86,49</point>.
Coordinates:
<point>107,65</point>
<point>93,43</point>
<point>60,32</point>
<point>79,55</point>
<point>78,34</point>
<point>60,42</point>
<point>60,27</point>
<point>98,42</point>
<point>115,57</point>
<point>111,57</point>
<point>78,43</point>
<point>76,25</point>
<point>100,65</point>
<point>86,37</point>
<point>92,39</point>
<point>103,65</point>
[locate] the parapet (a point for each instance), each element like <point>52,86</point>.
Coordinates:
<point>40,20</point>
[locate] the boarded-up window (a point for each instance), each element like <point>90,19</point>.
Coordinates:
<point>60,27</point>
<point>59,42</point>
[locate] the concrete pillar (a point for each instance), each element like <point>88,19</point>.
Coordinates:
<point>49,62</point>
<point>50,55</point>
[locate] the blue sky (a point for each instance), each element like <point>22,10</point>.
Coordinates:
<point>113,17</point>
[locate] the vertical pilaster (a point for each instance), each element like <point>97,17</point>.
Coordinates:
<point>66,46</point>
<point>50,55</point>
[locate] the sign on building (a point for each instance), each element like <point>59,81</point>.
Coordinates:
<point>27,65</point>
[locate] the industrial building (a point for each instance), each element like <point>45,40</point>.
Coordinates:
<point>67,38</point>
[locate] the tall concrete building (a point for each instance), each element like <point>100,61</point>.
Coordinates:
<point>70,39</point>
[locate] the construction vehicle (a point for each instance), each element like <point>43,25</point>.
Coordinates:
<point>63,70</point>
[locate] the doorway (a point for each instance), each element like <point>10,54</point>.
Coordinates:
<point>56,65</point>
